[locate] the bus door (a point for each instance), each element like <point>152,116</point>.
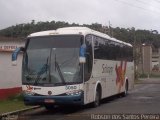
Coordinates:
<point>88,79</point>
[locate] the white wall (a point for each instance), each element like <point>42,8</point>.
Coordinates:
<point>10,76</point>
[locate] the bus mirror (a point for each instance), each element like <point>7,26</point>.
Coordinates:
<point>15,54</point>
<point>14,63</point>
<point>82,58</point>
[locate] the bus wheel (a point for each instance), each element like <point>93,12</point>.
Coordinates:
<point>49,107</point>
<point>126,89</point>
<point>96,103</point>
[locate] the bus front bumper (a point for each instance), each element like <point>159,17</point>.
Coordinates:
<point>55,100</point>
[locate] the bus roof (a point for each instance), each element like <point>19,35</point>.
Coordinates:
<point>75,30</point>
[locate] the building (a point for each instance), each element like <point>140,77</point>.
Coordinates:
<point>156,60</point>
<point>10,76</point>
<point>148,59</point>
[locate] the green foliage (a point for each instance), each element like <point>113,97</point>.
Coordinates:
<point>128,35</point>
<point>10,105</point>
<point>152,75</point>
<point>143,76</point>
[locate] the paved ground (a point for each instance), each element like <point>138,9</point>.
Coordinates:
<point>143,99</point>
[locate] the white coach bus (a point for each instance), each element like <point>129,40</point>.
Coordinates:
<point>74,65</point>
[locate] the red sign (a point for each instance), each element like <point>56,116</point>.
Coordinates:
<point>8,47</point>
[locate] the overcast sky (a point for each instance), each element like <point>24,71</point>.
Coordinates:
<point>141,14</point>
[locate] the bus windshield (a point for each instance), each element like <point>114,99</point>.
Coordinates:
<point>52,60</point>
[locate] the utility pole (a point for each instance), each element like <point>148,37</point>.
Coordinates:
<point>110,30</point>
<point>135,55</point>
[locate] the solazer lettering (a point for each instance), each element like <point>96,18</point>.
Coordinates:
<point>107,69</point>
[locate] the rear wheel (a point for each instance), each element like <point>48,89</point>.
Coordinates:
<point>126,89</point>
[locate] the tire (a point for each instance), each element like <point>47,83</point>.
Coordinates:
<point>125,93</point>
<point>49,107</point>
<point>96,103</point>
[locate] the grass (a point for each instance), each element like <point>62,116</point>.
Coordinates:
<point>137,81</point>
<point>150,75</point>
<point>12,104</point>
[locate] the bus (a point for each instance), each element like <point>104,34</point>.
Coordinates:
<point>74,66</point>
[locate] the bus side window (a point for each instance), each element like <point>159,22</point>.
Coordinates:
<point>89,58</point>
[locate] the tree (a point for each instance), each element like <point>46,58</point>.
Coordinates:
<point>130,35</point>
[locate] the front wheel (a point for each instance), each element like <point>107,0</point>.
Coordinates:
<point>49,107</point>
<point>96,103</point>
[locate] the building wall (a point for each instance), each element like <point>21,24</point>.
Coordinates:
<point>155,61</point>
<point>147,59</point>
<point>10,76</point>
<point>159,58</point>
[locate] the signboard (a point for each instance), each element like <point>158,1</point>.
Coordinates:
<point>8,47</point>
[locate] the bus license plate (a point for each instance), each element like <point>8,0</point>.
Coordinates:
<point>49,101</point>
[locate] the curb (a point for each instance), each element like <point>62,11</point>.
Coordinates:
<point>17,112</point>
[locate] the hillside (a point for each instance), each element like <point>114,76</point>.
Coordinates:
<point>130,35</point>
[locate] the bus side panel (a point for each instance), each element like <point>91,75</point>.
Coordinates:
<point>89,90</point>
<point>130,74</point>
<point>103,70</point>
<point>111,75</point>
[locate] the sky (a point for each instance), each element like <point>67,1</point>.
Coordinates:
<point>141,14</point>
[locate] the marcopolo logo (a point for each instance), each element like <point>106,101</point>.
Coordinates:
<point>69,87</point>
<point>107,69</point>
<point>29,88</point>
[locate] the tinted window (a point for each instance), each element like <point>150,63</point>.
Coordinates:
<point>65,41</point>
<point>111,50</point>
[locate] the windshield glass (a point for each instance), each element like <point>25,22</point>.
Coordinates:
<point>52,60</point>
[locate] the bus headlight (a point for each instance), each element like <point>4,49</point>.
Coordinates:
<point>75,92</point>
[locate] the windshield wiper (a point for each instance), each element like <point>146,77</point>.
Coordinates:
<point>59,70</point>
<point>41,72</point>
